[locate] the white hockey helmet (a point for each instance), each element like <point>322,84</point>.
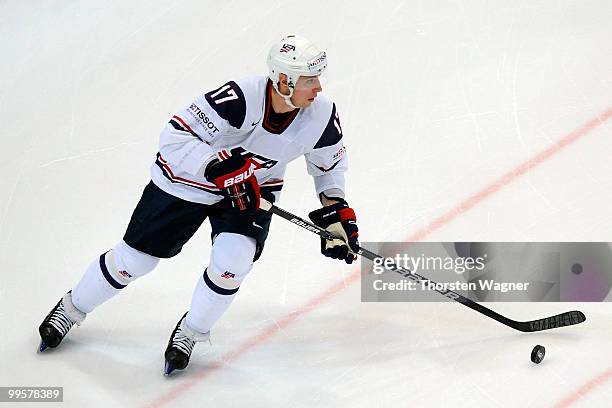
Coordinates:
<point>294,56</point>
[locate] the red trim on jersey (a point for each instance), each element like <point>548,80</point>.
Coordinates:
<point>223,155</point>
<point>169,170</point>
<point>184,124</point>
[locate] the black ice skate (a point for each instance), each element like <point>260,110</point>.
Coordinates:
<point>57,323</point>
<point>180,346</point>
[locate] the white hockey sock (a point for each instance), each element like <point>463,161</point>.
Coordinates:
<point>206,307</point>
<point>231,260</point>
<point>110,273</point>
<point>93,289</point>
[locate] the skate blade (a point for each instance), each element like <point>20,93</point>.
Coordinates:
<point>42,346</point>
<point>168,369</point>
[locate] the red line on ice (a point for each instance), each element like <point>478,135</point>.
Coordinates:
<point>584,389</point>
<point>510,176</point>
<point>338,287</point>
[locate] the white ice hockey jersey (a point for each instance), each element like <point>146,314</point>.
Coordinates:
<point>236,119</point>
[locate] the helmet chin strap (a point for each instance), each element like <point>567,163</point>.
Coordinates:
<point>287,98</point>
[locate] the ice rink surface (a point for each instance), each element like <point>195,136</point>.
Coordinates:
<point>464,121</point>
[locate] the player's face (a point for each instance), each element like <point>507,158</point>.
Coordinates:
<point>305,91</point>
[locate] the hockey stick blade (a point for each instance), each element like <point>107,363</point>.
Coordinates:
<point>547,323</point>
<point>560,320</point>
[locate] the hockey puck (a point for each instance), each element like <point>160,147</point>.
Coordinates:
<point>537,354</point>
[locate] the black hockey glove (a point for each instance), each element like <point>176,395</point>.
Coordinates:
<point>235,178</point>
<point>339,219</point>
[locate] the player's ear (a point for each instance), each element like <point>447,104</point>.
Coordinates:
<point>282,83</point>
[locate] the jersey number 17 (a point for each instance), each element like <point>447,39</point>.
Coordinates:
<point>224,90</point>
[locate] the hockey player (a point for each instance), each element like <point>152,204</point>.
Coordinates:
<point>217,158</point>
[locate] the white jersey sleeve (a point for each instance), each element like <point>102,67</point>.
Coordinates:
<point>187,140</point>
<point>327,161</point>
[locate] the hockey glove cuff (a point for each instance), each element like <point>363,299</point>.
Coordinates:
<point>236,179</point>
<point>340,220</point>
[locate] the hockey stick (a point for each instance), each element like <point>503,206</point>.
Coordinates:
<point>552,322</point>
